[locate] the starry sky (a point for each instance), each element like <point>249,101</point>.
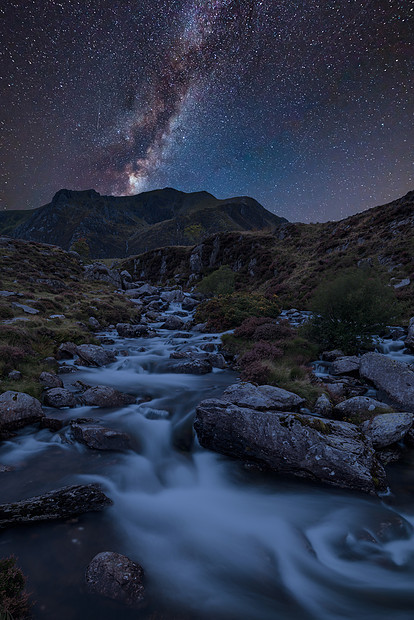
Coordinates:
<point>305,105</point>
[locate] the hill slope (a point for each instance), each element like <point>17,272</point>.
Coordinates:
<point>120,226</point>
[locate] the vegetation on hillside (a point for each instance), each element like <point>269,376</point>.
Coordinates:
<point>14,601</point>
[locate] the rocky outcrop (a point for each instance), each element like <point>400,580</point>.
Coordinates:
<point>323,406</point>
<point>335,453</point>
<point>192,367</point>
<point>388,428</point>
<point>346,365</point>
<point>104,396</point>
<point>60,504</point>
<point>59,397</point>
<point>98,272</point>
<point>116,577</point>
<point>173,323</point>
<point>18,409</point>
<point>393,378</point>
<point>127,330</point>
<point>50,380</point>
<point>359,407</point>
<point>100,438</point>
<point>262,397</point>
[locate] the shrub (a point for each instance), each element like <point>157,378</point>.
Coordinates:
<point>258,372</point>
<point>228,311</point>
<point>260,351</point>
<point>13,600</point>
<point>263,328</point>
<point>350,310</point>
<point>219,282</point>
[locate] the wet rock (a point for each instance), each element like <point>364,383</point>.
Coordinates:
<point>347,365</point>
<point>359,407</point>
<point>336,453</point>
<point>210,347</point>
<point>192,367</point>
<point>388,428</point>
<point>5,468</point>
<point>394,378</point>
<point>262,397</point>
<point>146,290</point>
<point>189,303</point>
<point>66,351</point>
<point>52,424</point>
<point>116,577</point>
<point>331,356</point>
<point>172,296</point>
<point>65,369</point>
<point>173,323</point>
<point>217,360</point>
<point>50,380</point>
<point>323,406</point>
<point>100,438</point>
<point>337,390</point>
<point>104,396</point>
<point>409,341</point>
<point>60,504</point>
<point>15,375</point>
<point>200,327</point>
<point>59,397</point>
<point>94,355</point>
<point>127,330</point>
<point>18,409</point>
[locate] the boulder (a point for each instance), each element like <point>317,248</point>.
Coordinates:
<point>66,351</point>
<point>26,309</point>
<point>104,396</point>
<point>189,303</point>
<point>359,407</point>
<point>409,341</point>
<point>15,375</point>
<point>18,409</point>
<point>50,380</point>
<point>172,296</point>
<point>127,330</point>
<point>116,577</point>
<point>145,290</point>
<point>94,355</point>
<point>59,397</point>
<point>331,356</point>
<point>394,378</point>
<point>173,322</point>
<point>262,397</point>
<point>192,367</point>
<point>323,406</point>
<point>335,453</point>
<point>100,438</point>
<point>94,323</point>
<point>101,273</point>
<point>388,428</point>
<point>346,365</point>
<point>60,504</point>
<point>217,360</point>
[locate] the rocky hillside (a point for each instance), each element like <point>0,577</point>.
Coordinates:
<point>294,259</point>
<point>115,227</point>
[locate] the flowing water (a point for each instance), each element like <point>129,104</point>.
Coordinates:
<point>216,540</point>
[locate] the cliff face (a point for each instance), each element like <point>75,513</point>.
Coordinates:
<point>115,227</point>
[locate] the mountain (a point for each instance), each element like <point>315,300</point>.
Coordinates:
<point>115,227</point>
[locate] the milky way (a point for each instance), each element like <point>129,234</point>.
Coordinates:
<point>307,106</point>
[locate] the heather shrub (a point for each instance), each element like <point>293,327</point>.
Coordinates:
<point>219,282</point>
<point>257,372</point>
<point>249,326</point>
<point>261,350</point>
<point>14,603</point>
<point>264,328</point>
<point>228,311</point>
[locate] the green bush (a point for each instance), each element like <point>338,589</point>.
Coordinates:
<point>228,311</point>
<point>349,310</point>
<point>219,282</point>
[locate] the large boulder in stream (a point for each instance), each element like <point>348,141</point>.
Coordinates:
<point>335,453</point>
<point>105,396</point>
<point>393,378</point>
<point>94,355</point>
<point>60,504</point>
<point>388,428</point>
<point>128,330</point>
<point>59,397</point>
<point>116,577</point>
<point>98,437</point>
<point>359,408</point>
<point>18,409</point>
<point>262,397</point>
<point>173,323</point>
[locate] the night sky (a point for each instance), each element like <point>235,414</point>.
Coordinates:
<point>305,105</point>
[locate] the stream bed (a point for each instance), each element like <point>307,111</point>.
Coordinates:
<point>216,540</point>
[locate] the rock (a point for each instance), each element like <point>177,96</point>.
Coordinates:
<point>192,367</point>
<point>65,369</point>
<point>5,468</point>
<point>116,577</point>
<point>50,380</point>
<point>331,356</point>
<point>15,375</point>
<point>60,504</point>
<point>323,406</point>
<point>217,360</point>
<point>66,351</point>
<point>52,424</point>
<point>101,273</point>
<point>7,293</point>
<point>26,309</point>
<point>50,361</point>
<point>360,408</point>
<point>333,452</point>
<point>394,378</point>
<point>145,290</point>
<point>104,396</point>
<point>346,365</point>
<point>189,303</point>
<point>409,341</point>
<point>100,438</point>
<point>402,283</point>
<point>200,327</point>
<point>388,428</point>
<point>94,355</point>
<point>172,296</point>
<point>18,409</point>
<point>262,397</point>
<point>94,323</point>
<point>173,322</point>
<point>59,397</point>
<point>336,390</point>
<point>126,330</point>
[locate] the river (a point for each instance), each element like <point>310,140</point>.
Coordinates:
<point>215,540</point>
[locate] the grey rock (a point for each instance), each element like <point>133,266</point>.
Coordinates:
<point>5,468</point>
<point>116,577</point>
<point>104,396</point>
<point>336,453</point>
<point>172,323</point>
<point>361,407</point>
<point>26,309</point>
<point>59,397</point>
<point>192,367</point>
<point>100,438</point>
<point>60,504</point>
<point>402,283</point>
<point>388,428</point>
<point>175,295</point>
<point>262,397</point>
<point>18,409</point>
<point>99,272</point>
<point>50,380</point>
<point>323,406</point>
<point>336,390</point>
<point>127,330</point>
<point>200,327</point>
<point>409,341</point>
<point>146,289</point>
<point>7,294</point>
<point>216,360</point>
<point>94,355</point>
<point>394,378</point>
<point>345,365</point>
<point>66,351</point>
<point>331,356</point>
<point>189,303</point>
<point>15,375</point>
<point>94,323</point>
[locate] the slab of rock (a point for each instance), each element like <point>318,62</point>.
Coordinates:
<point>50,380</point>
<point>394,378</point>
<point>262,397</point>
<point>100,438</point>
<point>346,365</point>
<point>409,341</point>
<point>60,504</point>
<point>173,322</point>
<point>127,330</point>
<point>335,453</point>
<point>388,428</point>
<point>104,396</point>
<point>116,577</point>
<point>94,355</point>
<point>26,309</point>
<point>59,397</point>
<point>359,407</point>
<point>18,409</point>
<point>192,367</point>
<point>15,375</point>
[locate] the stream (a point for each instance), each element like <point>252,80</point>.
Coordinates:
<point>215,539</point>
